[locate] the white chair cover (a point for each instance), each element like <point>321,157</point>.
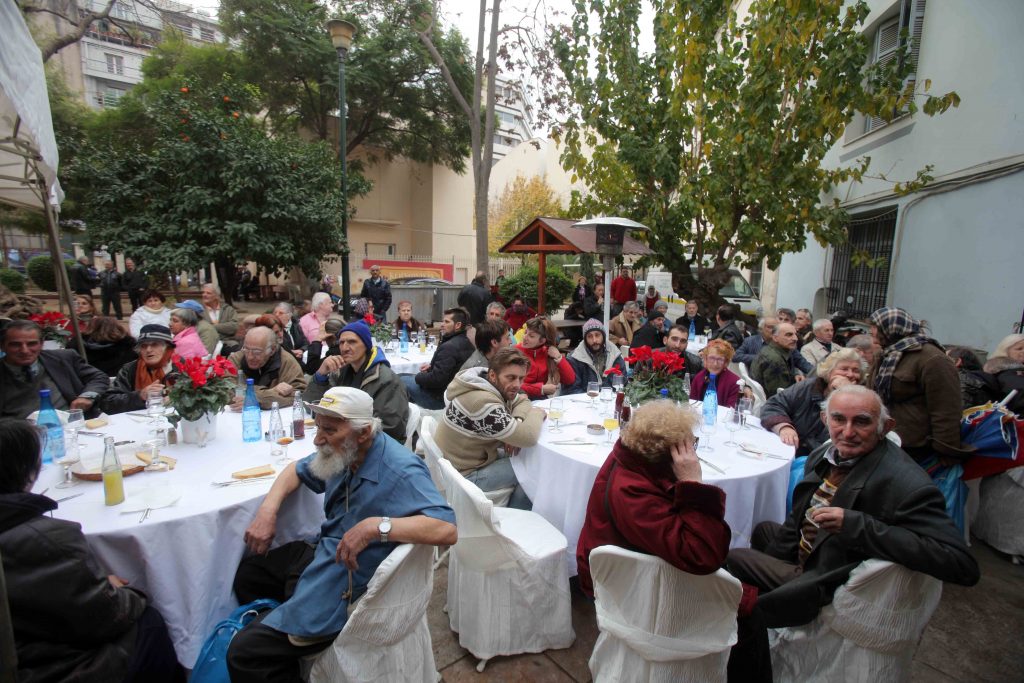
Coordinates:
<point>386,637</point>
<point>998,519</point>
<point>868,634</point>
<point>412,425</point>
<point>755,387</point>
<point>508,590</point>
<point>659,623</point>
<point>432,453</point>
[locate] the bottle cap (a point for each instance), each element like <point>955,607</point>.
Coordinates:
<point>248,381</point>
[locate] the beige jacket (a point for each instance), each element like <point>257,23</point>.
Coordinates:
<point>477,420</point>
<point>281,367</point>
<point>620,330</point>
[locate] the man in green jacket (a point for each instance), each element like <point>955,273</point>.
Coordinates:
<point>362,365</point>
<point>772,367</point>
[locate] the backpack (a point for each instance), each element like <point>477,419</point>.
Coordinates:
<point>211,666</point>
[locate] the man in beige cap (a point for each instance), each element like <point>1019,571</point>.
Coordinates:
<point>377,494</point>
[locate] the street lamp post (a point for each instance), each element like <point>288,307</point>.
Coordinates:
<point>341,36</point>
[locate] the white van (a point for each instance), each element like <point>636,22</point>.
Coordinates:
<point>736,290</point>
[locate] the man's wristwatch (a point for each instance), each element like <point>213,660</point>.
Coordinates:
<point>384,528</point>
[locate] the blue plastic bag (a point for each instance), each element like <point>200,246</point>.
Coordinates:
<point>211,665</point>
<point>796,475</point>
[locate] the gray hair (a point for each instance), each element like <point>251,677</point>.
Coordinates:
<point>186,315</point>
<point>271,336</point>
<point>820,323</point>
<point>213,288</point>
<point>319,298</point>
<point>373,423</point>
<point>859,390</point>
<point>286,307</point>
<point>833,359</point>
<point>860,341</point>
<point>804,310</point>
<point>631,306</point>
<point>496,306</point>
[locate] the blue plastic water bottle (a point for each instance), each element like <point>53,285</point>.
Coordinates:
<point>403,340</point>
<point>710,407</point>
<point>48,419</point>
<point>252,421</point>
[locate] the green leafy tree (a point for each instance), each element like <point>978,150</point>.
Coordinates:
<point>211,186</point>
<point>715,139</point>
<point>398,103</point>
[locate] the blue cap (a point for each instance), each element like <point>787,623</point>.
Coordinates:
<point>192,305</point>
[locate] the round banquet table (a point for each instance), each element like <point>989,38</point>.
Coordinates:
<point>183,556</point>
<point>401,363</point>
<point>558,476</point>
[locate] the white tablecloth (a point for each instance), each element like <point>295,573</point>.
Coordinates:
<point>408,363</point>
<point>559,478</point>
<point>184,556</point>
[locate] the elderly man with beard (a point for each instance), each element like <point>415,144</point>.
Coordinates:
<point>487,420</point>
<point>593,358</point>
<point>377,495</point>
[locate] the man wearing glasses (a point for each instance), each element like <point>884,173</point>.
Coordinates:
<point>276,376</point>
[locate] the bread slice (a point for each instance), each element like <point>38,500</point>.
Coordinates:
<point>253,472</point>
<point>96,423</point>
<point>144,457</point>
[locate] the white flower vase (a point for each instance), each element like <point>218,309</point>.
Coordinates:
<point>201,431</point>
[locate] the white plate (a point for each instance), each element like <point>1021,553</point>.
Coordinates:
<point>152,498</point>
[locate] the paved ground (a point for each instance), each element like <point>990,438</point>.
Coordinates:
<point>975,635</point>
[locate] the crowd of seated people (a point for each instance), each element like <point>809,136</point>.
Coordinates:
<point>832,403</point>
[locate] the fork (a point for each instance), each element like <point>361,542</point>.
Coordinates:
<point>222,484</point>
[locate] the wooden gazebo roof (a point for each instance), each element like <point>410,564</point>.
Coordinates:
<point>546,235</point>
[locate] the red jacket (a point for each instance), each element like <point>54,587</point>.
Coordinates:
<point>623,289</point>
<point>726,386</point>
<point>538,373</point>
<point>682,522</point>
<point>517,320</point>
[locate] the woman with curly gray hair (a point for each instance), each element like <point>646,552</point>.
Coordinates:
<point>649,497</point>
<point>795,413</point>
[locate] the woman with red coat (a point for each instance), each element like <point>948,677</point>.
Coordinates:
<point>549,369</point>
<point>717,355</point>
<point>518,313</point>
<point>649,497</point>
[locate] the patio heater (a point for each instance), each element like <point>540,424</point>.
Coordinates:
<point>611,232</point>
<point>341,36</point>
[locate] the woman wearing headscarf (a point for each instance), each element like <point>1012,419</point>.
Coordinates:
<point>919,385</point>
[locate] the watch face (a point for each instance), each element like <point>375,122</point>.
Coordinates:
<point>385,526</point>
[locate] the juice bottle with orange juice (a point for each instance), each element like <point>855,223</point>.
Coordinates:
<point>113,477</point>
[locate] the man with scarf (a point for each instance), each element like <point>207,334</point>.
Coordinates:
<point>135,380</point>
<point>362,365</point>
<point>593,358</point>
<point>276,376</point>
<point>919,385</point>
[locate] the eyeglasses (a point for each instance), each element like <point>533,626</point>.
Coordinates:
<point>719,359</point>
<point>255,352</point>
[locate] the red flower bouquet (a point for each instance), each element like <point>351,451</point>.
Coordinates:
<point>652,372</point>
<point>202,386</point>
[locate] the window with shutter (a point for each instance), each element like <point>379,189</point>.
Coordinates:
<point>890,37</point>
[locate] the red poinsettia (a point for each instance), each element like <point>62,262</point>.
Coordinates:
<point>654,371</point>
<point>613,370</point>
<point>54,323</point>
<point>205,386</point>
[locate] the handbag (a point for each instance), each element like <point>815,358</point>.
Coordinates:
<point>211,666</point>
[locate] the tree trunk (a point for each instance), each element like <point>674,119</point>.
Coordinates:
<point>228,281</point>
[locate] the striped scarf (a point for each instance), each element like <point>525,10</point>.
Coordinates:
<point>901,333</point>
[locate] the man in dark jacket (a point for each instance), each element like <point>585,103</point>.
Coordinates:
<point>82,280</point>
<point>26,369</point>
<point>676,339</point>
<point>652,332</point>
<point>593,358</point>
<point>71,620</point>
<point>134,282</point>
<point>727,328</point>
<point>110,289</point>
<point>772,368</point>
<point>700,323</point>
<point>862,498</point>
<point>426,389</point>
<point>377,289</point>
<point>753,344</point>
<point>593,305</point>
<point>294,340</point>
<point>474,297</point>
<point>363,365</point>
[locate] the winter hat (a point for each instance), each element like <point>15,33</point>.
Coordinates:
<point>655,315</point>
<point>152,332</point>
<point>660,305</point>
<point>361,330</point>
<point>192,305</point>
<point>593,324</point>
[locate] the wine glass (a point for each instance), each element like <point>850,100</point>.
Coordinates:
<point>606,396</point>
<point>556,411</point>
<point>745,407</point>
<point>280,448</point>
<point>707,428</point>
<point>610,425</point>
<point>593,389</point>
<point>707,334</point>
<point>734,423</point>
<point>618,382</point>
<point>70,457</point>
<point>432,342</point>
<point>76,421</point>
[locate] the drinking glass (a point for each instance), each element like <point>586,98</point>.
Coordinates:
<point>280,448</point>
<point>734,423</point>
<point>76,421</point>
<point>745,407</point>
<point>154,405</point>
<point>708,430</point>
<point>71,456</point>
<point>556,411</point>
<point>432,341</point>
<point>610,425</point>
<point>607,396</point>
<point>618,381</point>
<point>593,389</point>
